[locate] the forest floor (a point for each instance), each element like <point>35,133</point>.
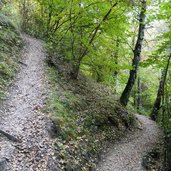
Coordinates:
<point>27,145</point>
<point>127,154</point>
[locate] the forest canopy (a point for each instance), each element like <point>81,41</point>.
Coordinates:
<point>112,42</point>
<point>115,42</point>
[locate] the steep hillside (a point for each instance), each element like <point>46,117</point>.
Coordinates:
<point>10,43</point>
<point>89,122</point>
<point>86,116</point>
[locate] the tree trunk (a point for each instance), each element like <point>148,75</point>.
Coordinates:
<point>75,71</point>
<point>23,15</point>
<point>136,59</point>
<point>10,137</point>
<point>157,104</point>
<point>116,55</point>
<point>139,94</point>
<point>76,67</point>
<point>49,21</point>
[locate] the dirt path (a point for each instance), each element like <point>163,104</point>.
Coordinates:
<point>24,118</point>
<point>127,154</point>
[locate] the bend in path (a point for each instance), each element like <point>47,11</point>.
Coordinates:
<point>127,154</point>
<point>23,118</point>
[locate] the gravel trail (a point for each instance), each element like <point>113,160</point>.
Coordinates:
<point>22,116</point>
<point>127,154</point>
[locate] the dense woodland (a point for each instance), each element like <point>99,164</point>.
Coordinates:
<point>120,44</point>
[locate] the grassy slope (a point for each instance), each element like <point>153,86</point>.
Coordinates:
<point>10,43</point>
<point>86,116</point>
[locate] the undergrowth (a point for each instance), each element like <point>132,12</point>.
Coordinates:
<point>10,44</point>
<point>86,116</point>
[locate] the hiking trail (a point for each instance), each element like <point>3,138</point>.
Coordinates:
<point>28,147</point>
<point>25,141</point>
<point>127,154</point>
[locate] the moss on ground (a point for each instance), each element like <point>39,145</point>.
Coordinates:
<point>10,44</point>
<point>86,116</point>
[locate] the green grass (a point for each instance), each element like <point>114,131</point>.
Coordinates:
<point>10,44</point>
<point>81,111</point>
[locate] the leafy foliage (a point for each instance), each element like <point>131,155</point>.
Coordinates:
<point>10,43</point>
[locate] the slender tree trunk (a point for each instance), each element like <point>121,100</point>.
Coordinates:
<point>136,59</point>
<point>24,15</point>
<point>116,55</point>
<point>157,104</point>
<point>76,67</point>
<point>48,21</point>
<point>75,70</point>
<point>139,94</point>
<point>135,96</point>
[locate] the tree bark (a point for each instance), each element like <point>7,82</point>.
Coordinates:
<point>23,15</point>
<point>136,59</point>
<point>49,21</point>
<point>10,137</point>
<point>76,67</point>
<point>139,94</point>
<point>116,56</point>
<point>157,103</point>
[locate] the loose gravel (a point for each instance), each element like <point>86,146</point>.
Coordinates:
<point>22,116</point>
<point>127,154</point>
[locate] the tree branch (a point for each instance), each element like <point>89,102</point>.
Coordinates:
<point>96,30</point>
